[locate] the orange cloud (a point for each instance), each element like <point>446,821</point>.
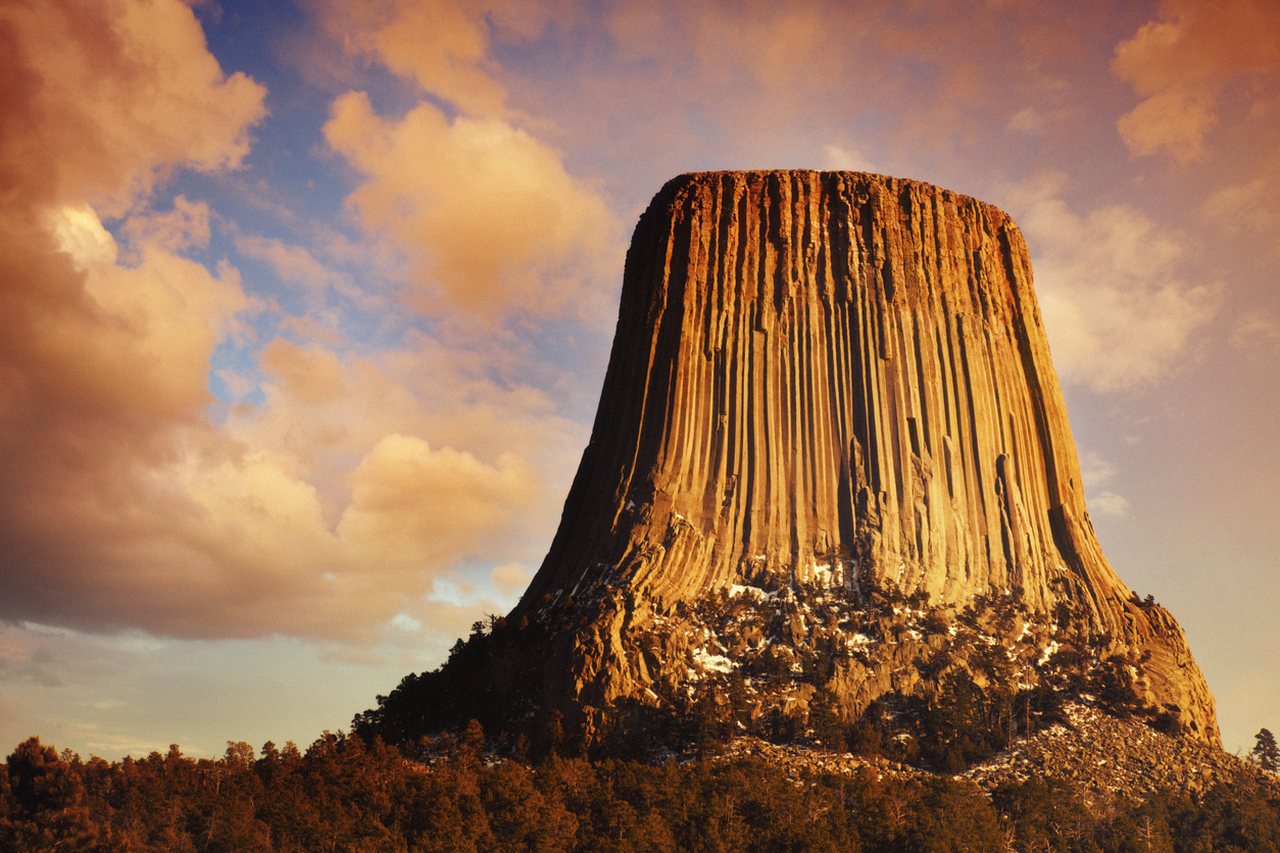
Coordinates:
<point>1257,334</point>
<point>426,507</point>
<point>311,375</point>
<point>487,215</point>
<point>122,504</point>
<point>443,45</point>
<point>1251,207</point>
<point>1179,65</point>
<point>108,97</point>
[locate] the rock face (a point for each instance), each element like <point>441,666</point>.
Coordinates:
<point>835,381</point>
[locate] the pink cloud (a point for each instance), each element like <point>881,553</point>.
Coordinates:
<point>1180,64</point>
<point>109,97</point>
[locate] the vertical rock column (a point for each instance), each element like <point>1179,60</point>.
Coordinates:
<point>841,379</point>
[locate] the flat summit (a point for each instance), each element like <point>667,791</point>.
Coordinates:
<point>831,463</point>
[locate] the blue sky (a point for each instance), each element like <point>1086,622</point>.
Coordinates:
<point>307,305</point>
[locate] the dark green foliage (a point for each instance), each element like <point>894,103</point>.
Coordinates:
<point>957,726</point>
<point>345,794</point>
<point>1265,752</point>
<point>490,677</point>
<point>1046,814</point>
<point>45,802</point>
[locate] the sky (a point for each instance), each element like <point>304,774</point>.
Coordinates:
<point>305,308</point>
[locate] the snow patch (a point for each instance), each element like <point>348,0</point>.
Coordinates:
<point>714,663</point>
<point>1047,653</point>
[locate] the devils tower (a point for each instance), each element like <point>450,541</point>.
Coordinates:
<point>830,400</point>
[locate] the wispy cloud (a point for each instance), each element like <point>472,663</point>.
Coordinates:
<point>1117,314</point>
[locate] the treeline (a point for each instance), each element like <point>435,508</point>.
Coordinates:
<point>347,795</point>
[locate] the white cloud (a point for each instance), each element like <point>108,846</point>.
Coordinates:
<point>845,159</point>
<point>1110,504</point>
<point>1096,472</point>
<point>294,264</point>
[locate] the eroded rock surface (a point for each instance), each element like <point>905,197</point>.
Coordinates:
<point>838,381</point>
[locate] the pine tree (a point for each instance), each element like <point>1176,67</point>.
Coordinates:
<point>1265,752</point>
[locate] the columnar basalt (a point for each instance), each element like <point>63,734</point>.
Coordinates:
<point>838,380</point>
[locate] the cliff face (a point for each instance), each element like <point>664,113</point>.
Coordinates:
<point>840,377</point>
<point>839,381</point>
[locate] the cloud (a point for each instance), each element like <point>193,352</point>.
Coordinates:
<point>1033,121</point>
<point>110,97</point>
<point>1180,65</point>
<point>1109,504</point>
<point>487,215</point>
<point>430,507</point>
<point>1251,207</point>
<point>441,44</point>
<point>918,86</point>
<point>845,159</point>
<point>294,264</point>
<point>510,579</point>
<point>1116,314</point>
<point>129,497</point>
<point>1257,335</point>
<point>1094,473</point>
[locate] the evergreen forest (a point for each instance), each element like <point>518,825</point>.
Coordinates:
<point>453,793</point>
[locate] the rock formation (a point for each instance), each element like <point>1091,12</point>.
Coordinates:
<point>830,399</point>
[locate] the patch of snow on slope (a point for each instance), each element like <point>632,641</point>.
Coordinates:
<point>714,663</point>
<point>1048,653</point>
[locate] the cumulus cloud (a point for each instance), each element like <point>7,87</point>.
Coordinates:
<point>443,45</point>
<point>426,507</point>
<point>845,159</point>
<point>111,96</point>
<point>321,511</point>
<point>1110,504</point>
<point>1180,64</point>
<point>484,212</point>
<point>511,579</point>
<point>1116,313</point>
<point>487,214</point>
